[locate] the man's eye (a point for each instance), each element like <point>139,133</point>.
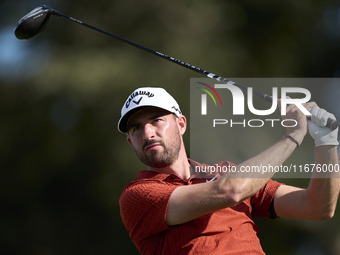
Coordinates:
<point>136,128</point>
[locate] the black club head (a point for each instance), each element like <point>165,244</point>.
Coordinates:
<point>33,23</point>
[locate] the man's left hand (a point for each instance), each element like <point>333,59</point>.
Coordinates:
<point>321,134</point>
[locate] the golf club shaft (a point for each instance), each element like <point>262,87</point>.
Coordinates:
<point>177,61</point>
<point>330,122</point>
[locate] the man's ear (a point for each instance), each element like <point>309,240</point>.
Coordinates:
<point>182,122</point>
<point>129,140</point>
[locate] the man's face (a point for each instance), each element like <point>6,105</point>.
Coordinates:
<point>155,135</point>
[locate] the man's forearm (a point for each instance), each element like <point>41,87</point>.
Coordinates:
<point>245,184</point>
<point>323,190</point>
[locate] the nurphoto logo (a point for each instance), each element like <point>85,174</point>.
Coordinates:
<point>236,120</point>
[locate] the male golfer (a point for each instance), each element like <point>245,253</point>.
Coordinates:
<point>171,209</point>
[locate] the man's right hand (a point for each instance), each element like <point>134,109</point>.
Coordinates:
<point>298,128</point>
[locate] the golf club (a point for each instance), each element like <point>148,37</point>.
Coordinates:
<point>33,23</point>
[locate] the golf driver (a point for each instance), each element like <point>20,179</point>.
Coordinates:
<point>33,23</point>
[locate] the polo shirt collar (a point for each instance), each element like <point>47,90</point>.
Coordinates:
<point>147,174</point>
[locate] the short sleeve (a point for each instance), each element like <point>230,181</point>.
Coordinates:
<point>261,200</point>
<point>143,208</point>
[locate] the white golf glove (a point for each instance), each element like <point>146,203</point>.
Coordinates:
<point>316,127</point>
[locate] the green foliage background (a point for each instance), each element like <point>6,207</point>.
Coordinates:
<point>64,164</point>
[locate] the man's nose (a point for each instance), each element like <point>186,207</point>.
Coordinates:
<point>149,132</point>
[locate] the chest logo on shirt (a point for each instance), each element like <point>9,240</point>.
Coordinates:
<point>212,178</point>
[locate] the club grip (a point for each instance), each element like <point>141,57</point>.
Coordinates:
<point>332,124</point>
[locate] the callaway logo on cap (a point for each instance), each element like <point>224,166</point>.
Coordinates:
<point>147,97</point>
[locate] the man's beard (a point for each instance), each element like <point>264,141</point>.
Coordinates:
<point>160,159</point>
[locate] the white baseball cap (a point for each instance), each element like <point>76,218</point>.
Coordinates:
<point>147,97</point>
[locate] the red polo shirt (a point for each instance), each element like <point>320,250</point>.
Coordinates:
<point>143,206</point>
